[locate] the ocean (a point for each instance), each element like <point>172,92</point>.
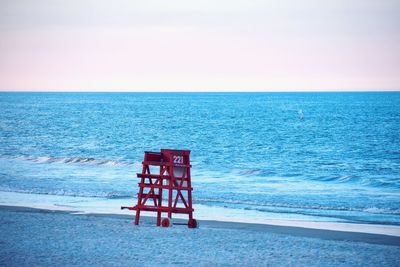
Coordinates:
<point>301,156</point>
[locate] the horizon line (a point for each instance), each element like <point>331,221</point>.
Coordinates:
<point>200,91</point>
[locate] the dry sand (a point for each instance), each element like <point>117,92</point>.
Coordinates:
<point>43,237</point>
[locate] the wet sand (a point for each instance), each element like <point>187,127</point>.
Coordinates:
<point>44,237</point>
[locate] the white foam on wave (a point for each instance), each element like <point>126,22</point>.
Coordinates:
<point>63,192</point>
<point>376,210</point>
<point>253,206</point>
<point>80,205</point>
<point>71,160</point>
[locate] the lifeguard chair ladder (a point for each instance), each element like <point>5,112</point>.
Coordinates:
<point>171,179</point>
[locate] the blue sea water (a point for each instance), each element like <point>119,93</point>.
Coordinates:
<point>331,155</point>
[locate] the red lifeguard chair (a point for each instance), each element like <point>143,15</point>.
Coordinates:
<point>165,173</point>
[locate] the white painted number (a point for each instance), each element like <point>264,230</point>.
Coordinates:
<point>178,159</point>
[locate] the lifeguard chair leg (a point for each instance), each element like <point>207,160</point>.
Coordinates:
<point>171,181</point>
<point>158,218</point>
<point>159,206</point>
<point>137,217</point>
<point>192,222</point>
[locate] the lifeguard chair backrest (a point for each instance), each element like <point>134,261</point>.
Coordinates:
<point>152,156</point>
<point>179,159</point>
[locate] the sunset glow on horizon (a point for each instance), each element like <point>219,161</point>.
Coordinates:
<point>199,45</point>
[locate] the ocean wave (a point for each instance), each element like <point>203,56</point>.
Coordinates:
<point>372,181</point>
<point>259,206</point>
<point>62,192</point>
<point>252,172</point>
<point>314,210</point>
<point>72,160</point>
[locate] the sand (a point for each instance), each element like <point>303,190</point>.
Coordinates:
<point>43,237</point>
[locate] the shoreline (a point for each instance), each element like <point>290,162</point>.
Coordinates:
<point>298,231</point>
<point>38,237</point>
<point>87,205</point>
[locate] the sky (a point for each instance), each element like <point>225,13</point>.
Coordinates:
<point>207,45</point>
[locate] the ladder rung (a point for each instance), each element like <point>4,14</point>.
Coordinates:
<point>144,195</point>
<point>162,209</point>
<point>157,176</point>
<point>146,185</point>
<point>148,175</point>
<point>159,163</point>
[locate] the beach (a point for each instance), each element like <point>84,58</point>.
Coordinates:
<point>253,133</point>
<point>32,237</point>
<point>272,186</point>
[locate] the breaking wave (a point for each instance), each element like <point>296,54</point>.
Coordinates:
<point>376,181</point>
<point>272,207</point>
<point>73,160</point>
<point>235,204</point>
<point>62,192</point>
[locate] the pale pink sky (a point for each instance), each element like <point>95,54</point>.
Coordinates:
<point>147,45</point>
